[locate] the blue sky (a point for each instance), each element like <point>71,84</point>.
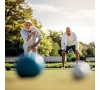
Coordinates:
<point>79,15</point>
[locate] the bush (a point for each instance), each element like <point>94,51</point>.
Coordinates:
<point>82,58</point>
<point>54,65</point>
<point>73,59</point>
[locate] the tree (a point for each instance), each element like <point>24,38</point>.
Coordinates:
<point>16,11</point>
<point>91,51</point>
<point>84,55</point>
<point>92,44</point>
<point>56,42</point>
<point>45,47</point>
<point>56,36</point>
<point>55,48</point>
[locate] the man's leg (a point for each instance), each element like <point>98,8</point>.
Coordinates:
<point>64,56</point>
<point>63,59</point>
<point>76,53</point>
<point>77,56</point>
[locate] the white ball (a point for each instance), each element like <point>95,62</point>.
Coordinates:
<point>81,70</point>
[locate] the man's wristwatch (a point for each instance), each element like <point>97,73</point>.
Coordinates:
<point>35,44</point>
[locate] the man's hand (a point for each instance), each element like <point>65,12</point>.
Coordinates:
<point>37,42</point>
<point>34,49</point>
<point>76,52</point>
<point>63,51</point>
<point>77,56</point>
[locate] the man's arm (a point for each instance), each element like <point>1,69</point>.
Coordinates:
<point>39,39</point>
<point>38,35</point>
<point>25,36</point>
<point>76,42</point>
<point>38,42</point>
<point>62,42</point>
<point>29,37</point>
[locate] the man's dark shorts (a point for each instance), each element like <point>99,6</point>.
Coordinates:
<point>67,49</point>
<point>70,47</point>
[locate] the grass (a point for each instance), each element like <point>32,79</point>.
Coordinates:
<point>55,79</point>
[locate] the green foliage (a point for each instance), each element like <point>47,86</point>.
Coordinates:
<point>56,42</point>
<point>84,53</point>
<point>91,51</point>
<point>70,55</point>
<point>45,47</point>
<point>56,36</point>
<point>16,11</point>
<point>92,44</point>
<point>54,65</point>
<point>55,48</point>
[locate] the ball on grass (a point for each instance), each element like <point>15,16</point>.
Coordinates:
<point>30,65</point>
<point>81,70</point>
<point>8,68</point>
<point>91,67</point>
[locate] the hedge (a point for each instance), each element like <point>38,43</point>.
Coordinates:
<point>53,65</point>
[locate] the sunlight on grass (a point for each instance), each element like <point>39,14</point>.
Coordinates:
<point>49,80</point>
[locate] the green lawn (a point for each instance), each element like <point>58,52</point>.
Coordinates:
<point>56,79</point>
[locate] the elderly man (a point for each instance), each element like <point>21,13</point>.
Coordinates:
<point>31,36</point>
<point>69,41</point>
